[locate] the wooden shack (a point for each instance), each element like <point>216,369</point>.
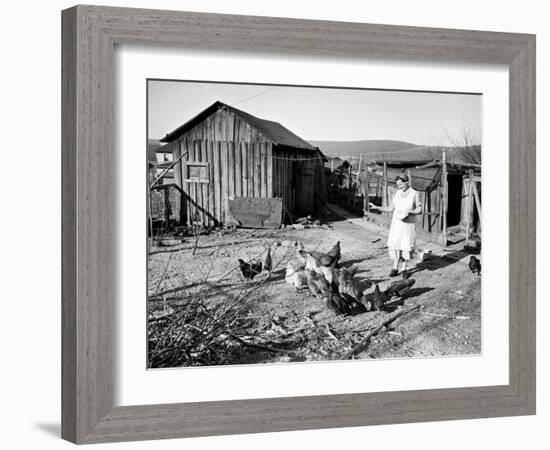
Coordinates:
<point>448,180</point>
<point>224,152</point>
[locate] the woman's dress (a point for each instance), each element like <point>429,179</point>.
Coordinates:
<point>402,234</point>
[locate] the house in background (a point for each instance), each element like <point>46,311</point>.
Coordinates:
<point>226,153</point>
<point>159,157</point>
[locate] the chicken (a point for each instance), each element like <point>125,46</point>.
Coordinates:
<point>335,252</point>
<point>316,283</point>
<point>251,269</point>
<point>299,252</point>
<point>295,275</point>
<point>347,286</point>
<point>311,262</point>
<point>341,305</point>
<point>401,287</point>
<point>475,265</point>
<point>380,298</point>
<point>347,293</point>
<point>354,306</point>
<point>334,302</point>
<point>330,274</point>
<point>329,259</point>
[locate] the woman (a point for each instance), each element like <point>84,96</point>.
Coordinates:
<point>402,237</point>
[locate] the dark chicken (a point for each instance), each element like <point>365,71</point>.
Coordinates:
<point>475,265</point>
<point>344,305</point>
<point>379,299</point>
<point>400,288</point>
<point>251,269</point>
<point>334,302</point>
<point>346,284</point>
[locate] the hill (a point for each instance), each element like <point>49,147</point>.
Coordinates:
<point>351,149</point>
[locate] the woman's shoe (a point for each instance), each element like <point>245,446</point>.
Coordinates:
<point>393,273</point>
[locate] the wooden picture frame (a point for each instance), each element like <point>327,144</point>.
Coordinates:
<point>89,37</point>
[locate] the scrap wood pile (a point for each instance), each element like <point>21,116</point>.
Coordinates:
<point>306,222</point>
<point>197,334</point>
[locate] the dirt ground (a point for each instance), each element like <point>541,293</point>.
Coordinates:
<point>447,321</point>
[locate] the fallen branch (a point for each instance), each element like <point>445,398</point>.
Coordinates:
<point>446,316</point>
<point>365,341</point>
<point>254,345</point>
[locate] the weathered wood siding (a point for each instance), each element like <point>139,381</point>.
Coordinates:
<point>234,170</point>
<point>294,180</point>
<point>225,126</point>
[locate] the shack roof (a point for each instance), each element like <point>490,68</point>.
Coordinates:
<point>272,130</point>
<point>459,156</point>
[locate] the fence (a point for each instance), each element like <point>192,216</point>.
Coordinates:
<point>166,208</point>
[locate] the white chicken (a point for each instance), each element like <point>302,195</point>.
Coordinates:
<point>295,275</point>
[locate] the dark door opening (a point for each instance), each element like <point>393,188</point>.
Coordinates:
<point>454,206</point>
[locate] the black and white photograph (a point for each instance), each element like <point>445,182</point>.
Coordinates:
<point>302,224</point>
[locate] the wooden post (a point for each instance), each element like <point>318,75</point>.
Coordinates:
<point>349,186</point>
<point>410,177</point>
<point>424,208</point>
<point>366,190</point>
<point>150,211</point>
<point>429,206</point>
<point>445,195</point>
<point>470,210</point>
<point>166,209</point>
<point>478,202</point>
<point>386,184</point>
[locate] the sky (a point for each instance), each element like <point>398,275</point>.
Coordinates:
<point>323,113</point>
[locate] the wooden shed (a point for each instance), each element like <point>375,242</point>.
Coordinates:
<point>224,152</point>
<point>449,182</point>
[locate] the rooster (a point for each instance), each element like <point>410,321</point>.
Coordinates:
<point>475,265</point>
<point>250,269</point>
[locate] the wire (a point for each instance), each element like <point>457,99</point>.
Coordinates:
<point>251,97</point>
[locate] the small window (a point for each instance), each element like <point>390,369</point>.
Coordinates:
<point>196,172</point>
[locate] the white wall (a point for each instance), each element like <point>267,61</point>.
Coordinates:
<point>30,288</point>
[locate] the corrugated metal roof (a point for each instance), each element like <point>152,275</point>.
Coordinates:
<point>272,130</point>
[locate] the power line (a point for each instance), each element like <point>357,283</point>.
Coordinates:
<point>252,96</point>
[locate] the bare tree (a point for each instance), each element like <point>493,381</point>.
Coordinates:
<point>465,144</point>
